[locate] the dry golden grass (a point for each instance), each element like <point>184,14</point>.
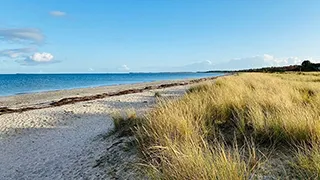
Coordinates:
<point>215,131</point>
<point>307,162</point>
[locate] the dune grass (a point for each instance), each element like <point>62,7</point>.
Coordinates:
<point>222,130</point>
<point>157,94</point>
<point>307,162</point>
<point>125,124</point>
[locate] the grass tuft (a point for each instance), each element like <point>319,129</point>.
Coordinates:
<point>157,94</point>
<point>125,124</point>
<point>307,161</point>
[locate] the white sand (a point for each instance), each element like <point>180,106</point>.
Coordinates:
<point>69,142</point>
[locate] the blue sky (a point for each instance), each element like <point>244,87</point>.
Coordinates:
<point>161,35</point>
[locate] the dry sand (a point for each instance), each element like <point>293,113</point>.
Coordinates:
<point>71,141</point>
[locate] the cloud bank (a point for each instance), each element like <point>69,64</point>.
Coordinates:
<point>259,61</point>
<point>205,65</point>
<point>28,55</point>
<point>16,53</point>
<point>57,13</point>
<point>22,35</point>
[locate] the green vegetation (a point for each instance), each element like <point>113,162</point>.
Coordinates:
<point>306,66</point>
<point>157,94</point>
<point>249,126</point>
<point>125,124</point>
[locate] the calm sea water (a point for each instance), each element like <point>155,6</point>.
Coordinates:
<point>11,84</point>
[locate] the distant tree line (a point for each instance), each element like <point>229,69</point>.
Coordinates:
<point>305,66</point>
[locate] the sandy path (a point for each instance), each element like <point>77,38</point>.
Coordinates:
<point>70,142</point>
<point>47,153</point>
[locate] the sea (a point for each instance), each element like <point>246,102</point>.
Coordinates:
<point>13,84</point>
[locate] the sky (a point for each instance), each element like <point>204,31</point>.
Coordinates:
<point>58,36</point>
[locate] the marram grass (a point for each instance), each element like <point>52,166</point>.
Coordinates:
<point>215,130</point>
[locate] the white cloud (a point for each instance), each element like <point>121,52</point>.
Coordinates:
<point>57,13</point>
<point>41,57</point>
<point>38,59</point>
<point>22,35</point>
<point>124,68</point>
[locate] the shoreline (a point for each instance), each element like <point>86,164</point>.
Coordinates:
<point>41,100</point>
<point>75,140</point>
<point>48,88</point>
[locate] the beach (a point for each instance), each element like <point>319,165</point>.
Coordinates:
<point>65,134</point>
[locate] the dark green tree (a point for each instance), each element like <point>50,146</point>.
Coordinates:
<point>306,64</point>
